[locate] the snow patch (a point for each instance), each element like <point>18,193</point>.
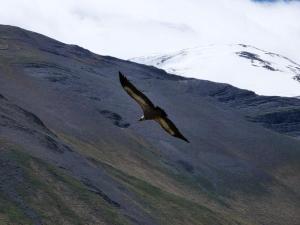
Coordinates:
<point>240,65</point>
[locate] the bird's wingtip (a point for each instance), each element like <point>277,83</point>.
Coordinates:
<point>182,138</point>
<point>122,78</point>
<point>120,75</point>
<point>186,140</point>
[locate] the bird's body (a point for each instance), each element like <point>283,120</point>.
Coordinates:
<point>151,112</point>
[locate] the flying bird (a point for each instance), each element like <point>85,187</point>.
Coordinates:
<point>151,112</point>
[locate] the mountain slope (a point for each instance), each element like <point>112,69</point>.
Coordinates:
<point>243,66</point>
<point>74,153</point>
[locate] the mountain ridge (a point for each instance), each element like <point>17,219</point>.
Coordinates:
<point>74,153</point>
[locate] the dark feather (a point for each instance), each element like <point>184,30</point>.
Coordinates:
<point>137,95</point>
<point>170,127</point>
<point>162,112</point>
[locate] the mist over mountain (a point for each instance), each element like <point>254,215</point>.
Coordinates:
<point>73,152</point>
<point>141,27</point>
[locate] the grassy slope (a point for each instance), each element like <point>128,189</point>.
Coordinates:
<point>56,197</point>
<point>61,199</point>
<point>170,198</point>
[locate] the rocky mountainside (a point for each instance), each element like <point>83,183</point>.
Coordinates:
<point>243,66</point>
<point>73,152</point>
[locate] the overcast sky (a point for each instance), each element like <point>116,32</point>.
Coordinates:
<point>129,28</point>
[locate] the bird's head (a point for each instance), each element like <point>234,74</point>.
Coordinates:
<point>142,118</point>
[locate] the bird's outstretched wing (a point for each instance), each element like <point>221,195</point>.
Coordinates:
<point>137,95</point>
<point>169,126</point>
<point>147,105</point>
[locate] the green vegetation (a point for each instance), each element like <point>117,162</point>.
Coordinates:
<point>165,206</point>
<point>169,208</point>
<point>10,213</point>
<point>58,198</point>
<point>54,196</point>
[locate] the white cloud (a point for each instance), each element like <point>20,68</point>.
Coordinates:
<point>139,27</point>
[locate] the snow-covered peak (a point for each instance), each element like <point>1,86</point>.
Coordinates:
<point>243,66</point>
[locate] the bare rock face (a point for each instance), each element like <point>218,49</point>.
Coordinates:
<point>73,151</point>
